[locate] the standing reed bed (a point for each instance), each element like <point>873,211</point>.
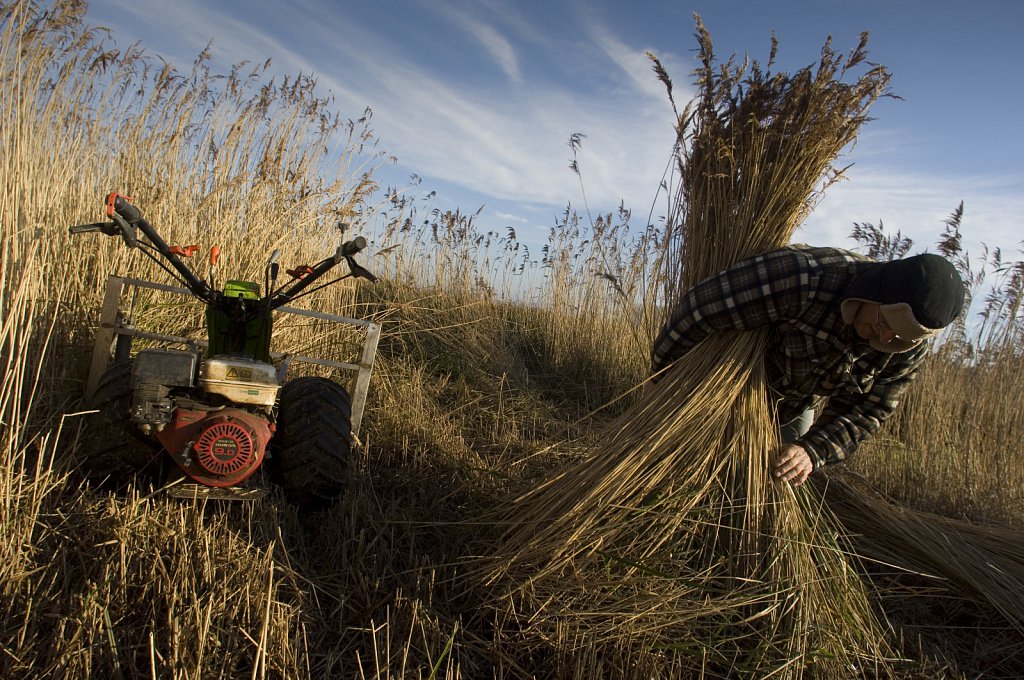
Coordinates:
<point>241,162</point>
<point>100,586</point>
<point>673,511</point>
<point>572,304</point>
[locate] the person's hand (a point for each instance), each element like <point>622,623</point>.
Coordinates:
<point>793,464</point>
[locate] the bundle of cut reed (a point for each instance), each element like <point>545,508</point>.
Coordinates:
<point>671,534</point>
<point>940,577</point>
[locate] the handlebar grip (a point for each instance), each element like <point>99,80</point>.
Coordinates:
<point>352,247</point>
<point>119,204</point>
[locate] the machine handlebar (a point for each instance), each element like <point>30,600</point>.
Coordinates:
<point>126,218</point>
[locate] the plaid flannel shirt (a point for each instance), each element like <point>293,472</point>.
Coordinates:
<point>812,356</point>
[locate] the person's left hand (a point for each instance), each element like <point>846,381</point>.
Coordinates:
<point>793,464</point>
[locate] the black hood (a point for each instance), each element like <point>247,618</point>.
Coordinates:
<point>928,283</point>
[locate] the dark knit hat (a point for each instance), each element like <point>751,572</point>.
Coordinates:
<point>919,296</point>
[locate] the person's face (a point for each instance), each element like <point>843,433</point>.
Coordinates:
<point>870,324</point>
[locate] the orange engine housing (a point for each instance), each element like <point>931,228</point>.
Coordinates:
<point>217,448</point>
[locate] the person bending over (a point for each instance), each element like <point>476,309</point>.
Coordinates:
<point>846,336</point>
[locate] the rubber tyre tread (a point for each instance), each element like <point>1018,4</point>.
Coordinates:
<point>311,446</point>
<point>114,449</point>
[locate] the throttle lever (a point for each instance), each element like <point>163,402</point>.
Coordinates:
<point>108,228</point>
<point>358,271</point>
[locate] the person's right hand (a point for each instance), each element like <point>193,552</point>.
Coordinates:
<point>793,465</point>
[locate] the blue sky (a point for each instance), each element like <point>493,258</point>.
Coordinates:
<point>480,98</point>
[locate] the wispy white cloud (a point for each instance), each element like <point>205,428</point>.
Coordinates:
<point>631,61</point>
<point>513,144</point>
<point>510,143</point>
<point>509,217</point>
<point>496,45</point>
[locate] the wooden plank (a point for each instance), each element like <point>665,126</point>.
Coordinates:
<point>363,376</point>
<point>104,335</point>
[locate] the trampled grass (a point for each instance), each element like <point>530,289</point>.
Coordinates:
<point>475,399</point>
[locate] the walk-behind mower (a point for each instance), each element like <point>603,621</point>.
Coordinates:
<point>227,413</point>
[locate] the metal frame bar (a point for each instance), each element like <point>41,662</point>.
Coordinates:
<point>110,328</point>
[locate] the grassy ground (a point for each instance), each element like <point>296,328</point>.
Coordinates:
<point>469,391</point>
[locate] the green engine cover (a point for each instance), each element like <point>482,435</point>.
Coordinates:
<point>243,326</point>
<point>242,289</point>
